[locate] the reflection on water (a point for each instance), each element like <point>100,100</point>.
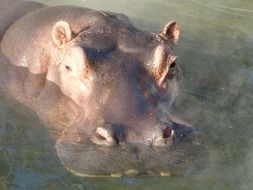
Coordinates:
<point>215,53</point>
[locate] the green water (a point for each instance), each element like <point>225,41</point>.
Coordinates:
<point>216,55</point>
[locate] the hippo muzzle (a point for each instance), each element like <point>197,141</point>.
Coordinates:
<point>110,152</point>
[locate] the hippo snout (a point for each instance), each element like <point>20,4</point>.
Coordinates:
<point>109,144</point>
<point>159,135</point>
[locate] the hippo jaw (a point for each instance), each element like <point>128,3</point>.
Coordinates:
<point>102,155</point>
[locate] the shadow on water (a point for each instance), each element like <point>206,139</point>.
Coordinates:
<point>27,153</point>
<point>28,159</point>
<point>215,53</point>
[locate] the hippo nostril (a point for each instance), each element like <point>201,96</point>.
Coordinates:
<point>99,136</point>
<point>102,133</point>
<point>168,132</point>
<point>102,136</point>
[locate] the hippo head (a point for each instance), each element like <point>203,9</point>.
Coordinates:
<point>124,81</point>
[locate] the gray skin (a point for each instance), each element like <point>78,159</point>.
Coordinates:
<point>11,10</point>
<point>105,85</point>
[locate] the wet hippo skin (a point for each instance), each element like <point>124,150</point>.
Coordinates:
<point>106,85</point>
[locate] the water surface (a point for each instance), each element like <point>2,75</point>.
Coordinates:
<point>216,55</point>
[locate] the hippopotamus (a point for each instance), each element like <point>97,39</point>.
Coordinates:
<point>106,85</point>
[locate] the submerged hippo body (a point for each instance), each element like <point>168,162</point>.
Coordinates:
<point>107,86</point>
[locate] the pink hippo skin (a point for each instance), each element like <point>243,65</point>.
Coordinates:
<point>106,85</point>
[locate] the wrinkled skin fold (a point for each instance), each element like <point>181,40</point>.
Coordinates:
<point>105,85</point>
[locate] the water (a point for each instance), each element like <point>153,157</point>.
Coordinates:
<point>215,53</point>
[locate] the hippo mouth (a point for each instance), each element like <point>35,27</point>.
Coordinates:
<point>87,159</point>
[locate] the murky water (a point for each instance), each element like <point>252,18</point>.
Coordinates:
<point>216,56</point>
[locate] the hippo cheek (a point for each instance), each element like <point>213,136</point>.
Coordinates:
<point>76,90</point>
<point>71,86</point>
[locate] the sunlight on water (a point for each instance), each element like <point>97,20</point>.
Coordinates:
<point>216,55</point>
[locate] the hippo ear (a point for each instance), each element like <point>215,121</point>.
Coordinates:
<point>171,32</point>
<point>61,33</point>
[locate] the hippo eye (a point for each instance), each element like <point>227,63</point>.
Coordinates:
<point>68,68</point>
<point>173,65</point>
